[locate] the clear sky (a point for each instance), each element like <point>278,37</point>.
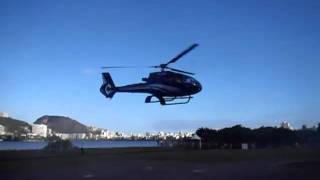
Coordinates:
<point>258,61</point>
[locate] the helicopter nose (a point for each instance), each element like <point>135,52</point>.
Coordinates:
<point>199,87</point>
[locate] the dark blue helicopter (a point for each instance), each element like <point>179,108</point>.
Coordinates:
<point>166,85</point>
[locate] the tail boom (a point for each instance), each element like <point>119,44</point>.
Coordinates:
<point>108,89</point>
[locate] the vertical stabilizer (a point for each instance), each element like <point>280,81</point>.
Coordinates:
<point>108,88</point>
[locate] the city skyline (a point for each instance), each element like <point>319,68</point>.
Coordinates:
<point>46,128</point>
<point>284,124</point>
<point>257,61</point>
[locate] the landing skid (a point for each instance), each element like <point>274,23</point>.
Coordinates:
<point>164,100</point>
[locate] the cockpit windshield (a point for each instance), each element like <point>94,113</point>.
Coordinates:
<point>190,80</point>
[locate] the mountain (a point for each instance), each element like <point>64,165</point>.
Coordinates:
<point>14,126</point>
<point>61,124</point>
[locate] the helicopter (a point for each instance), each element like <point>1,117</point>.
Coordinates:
<point>164,86</point>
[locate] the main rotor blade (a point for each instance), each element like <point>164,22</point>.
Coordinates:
<point>182,54</point>
<point>119,67</point>
<point>177,70</point>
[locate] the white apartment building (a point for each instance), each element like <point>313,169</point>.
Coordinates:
<point>4,114</point>
<point>2,130</point>
<point>71,135</point>
<point>286,125</point>
<point>39,130</point>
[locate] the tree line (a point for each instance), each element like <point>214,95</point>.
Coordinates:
<point>263,137</point>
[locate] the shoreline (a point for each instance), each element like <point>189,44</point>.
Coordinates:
<point>36,140</point>
<point>38,145</point>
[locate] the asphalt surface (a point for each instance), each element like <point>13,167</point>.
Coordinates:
<point>161,164</point>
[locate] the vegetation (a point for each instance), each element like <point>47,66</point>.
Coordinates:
<point>15,126</point>
<point>59,145</point>
<point>261,137</point>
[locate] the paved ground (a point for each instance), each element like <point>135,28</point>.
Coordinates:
<point>164,164</point>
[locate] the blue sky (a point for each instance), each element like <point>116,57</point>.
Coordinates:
<point>258,61</point>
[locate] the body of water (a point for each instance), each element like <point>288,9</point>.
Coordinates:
<point>30,145</point>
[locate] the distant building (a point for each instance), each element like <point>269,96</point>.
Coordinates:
<point>39,130</point>
<point>71,135</point>
<point>102,134</point>
<point>286,125</point>
<point>49,132</point>
<point>244,146</point>
<point>4,114</point>
<point>110,134</point>
<point>2,130</point>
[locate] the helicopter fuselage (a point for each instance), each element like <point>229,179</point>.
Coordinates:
<point>161,84</point>
<point>165,83</point>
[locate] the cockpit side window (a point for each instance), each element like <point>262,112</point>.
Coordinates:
<point>190,80</point>
<point>173,80</point>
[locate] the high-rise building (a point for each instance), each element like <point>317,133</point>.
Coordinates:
<point>39,130</point>
<point>286,125</point>
<point>4,114</point>
<point>2,130</point>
